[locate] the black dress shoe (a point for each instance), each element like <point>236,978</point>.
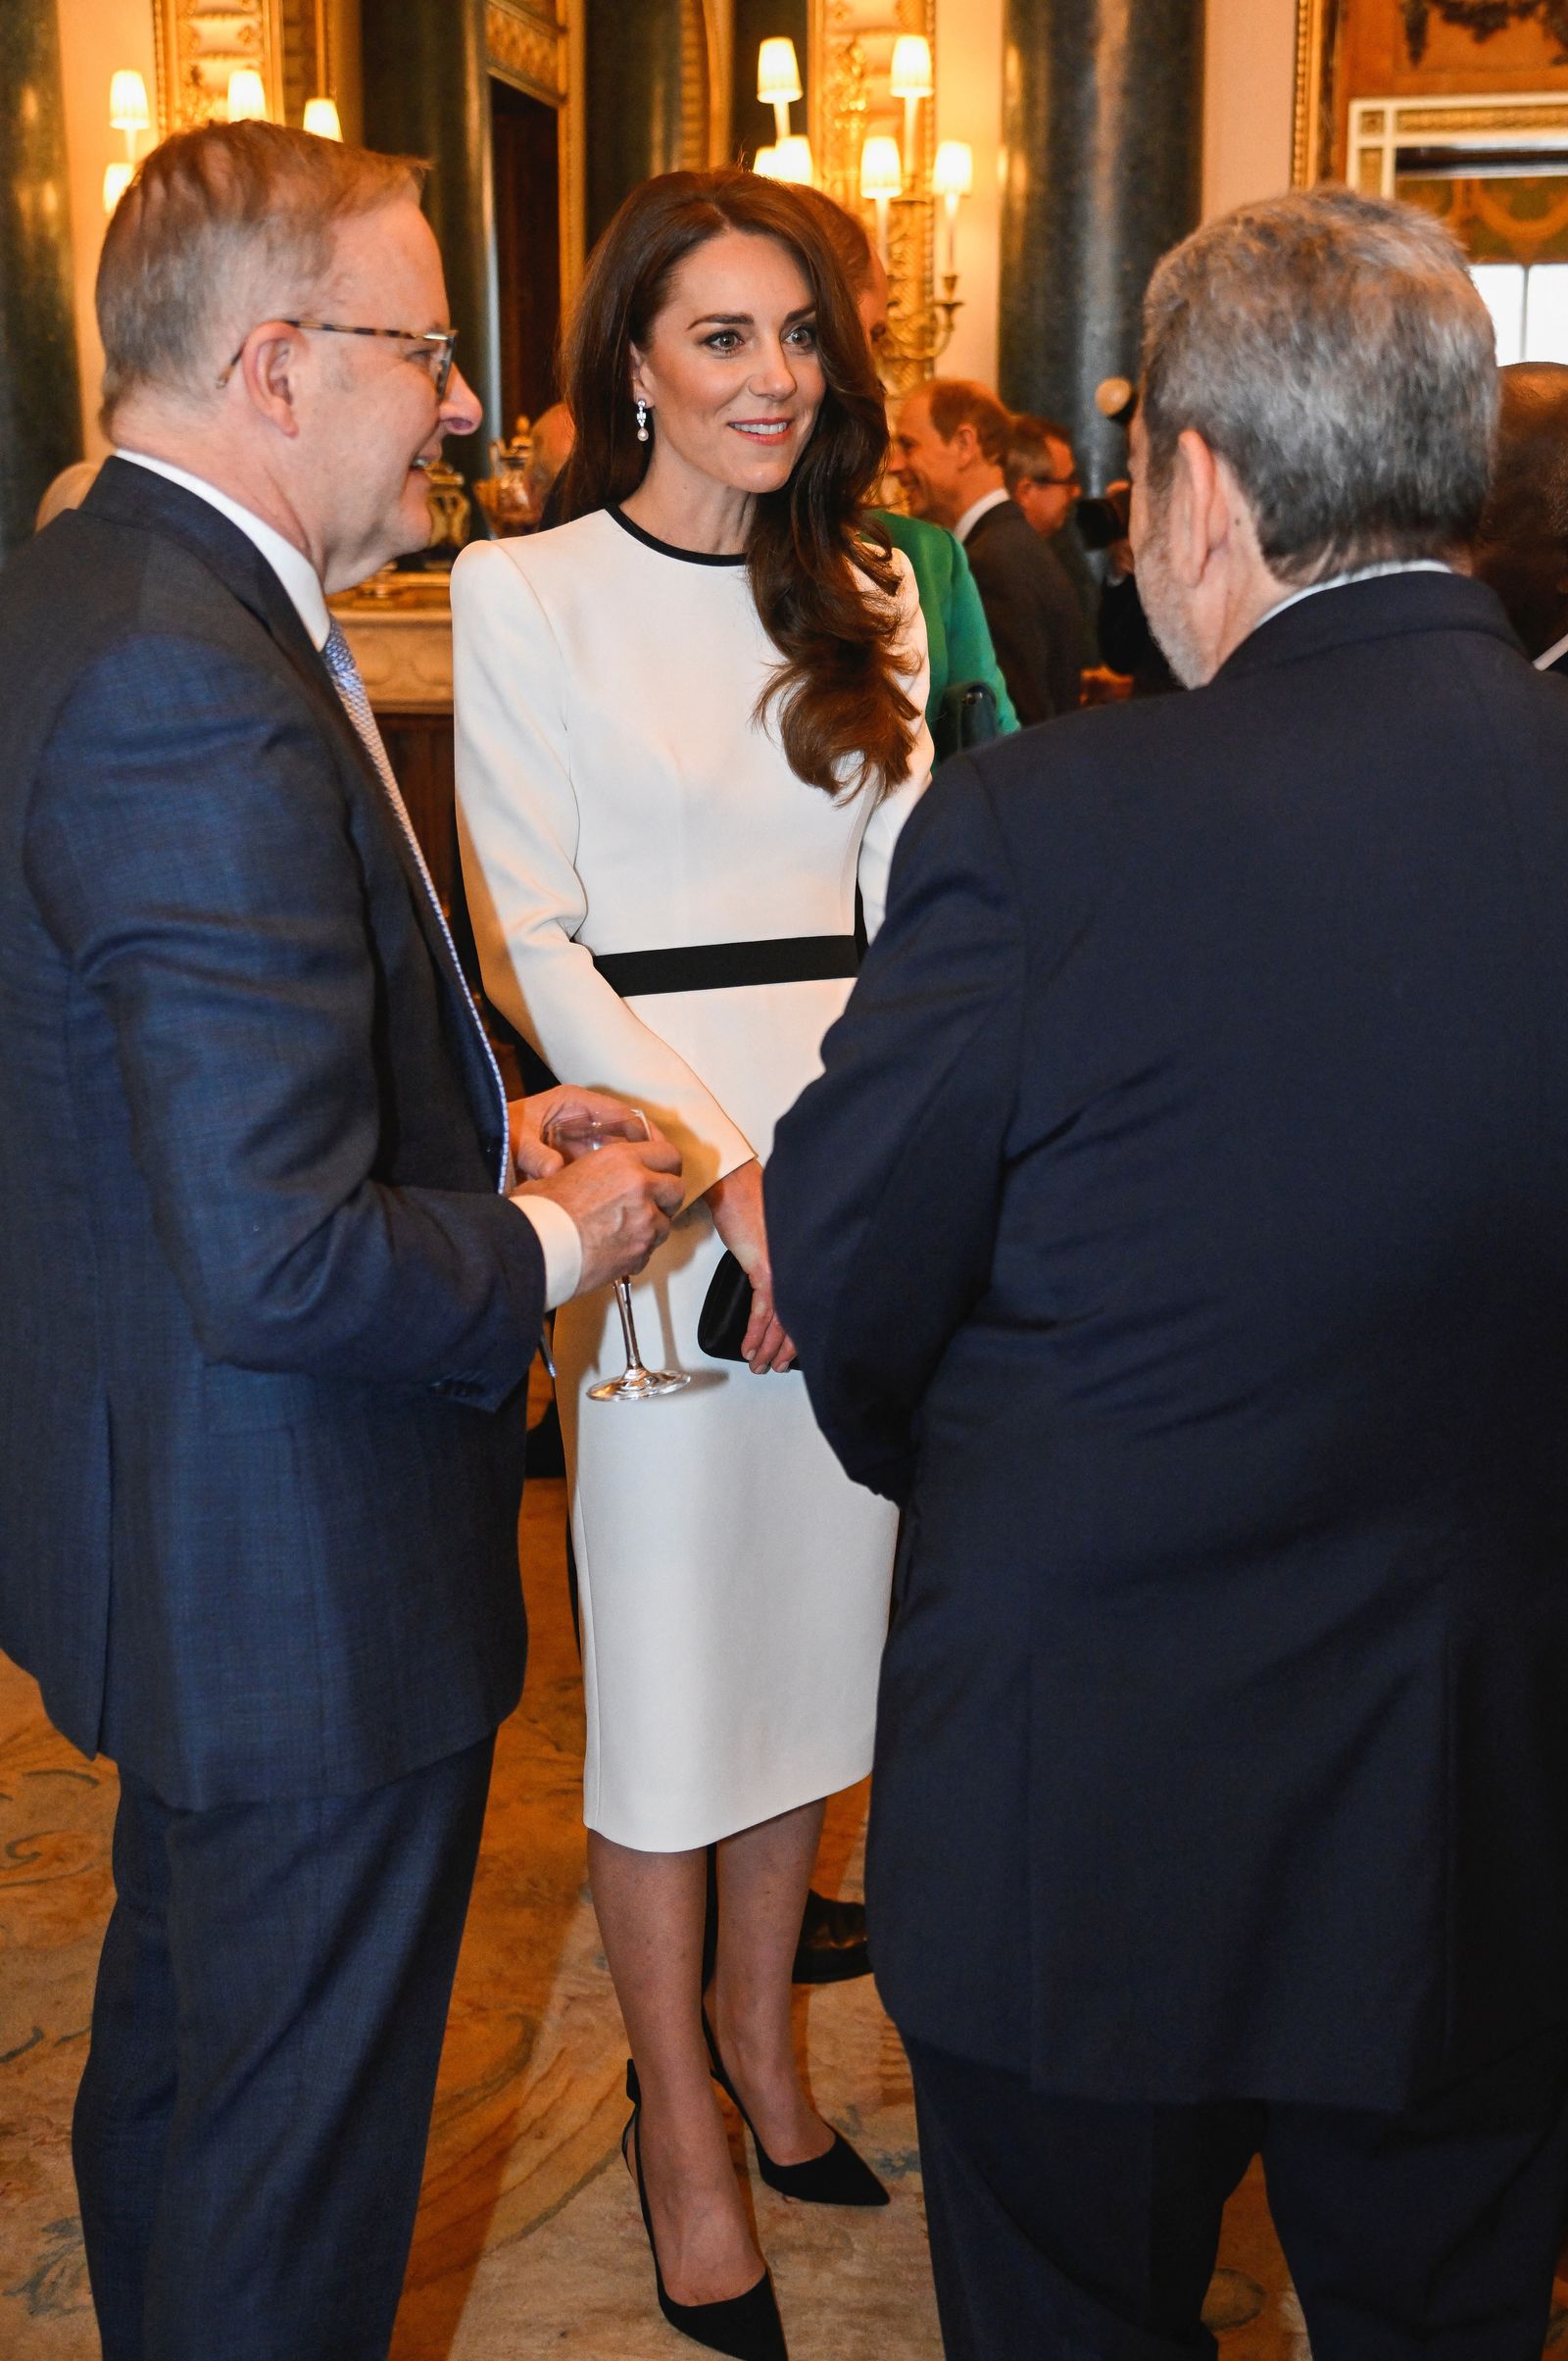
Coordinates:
<point>840,2175</point>
<point>746,2327</point>
<point>832,1946</point>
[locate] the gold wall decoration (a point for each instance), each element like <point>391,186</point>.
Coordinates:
<point>1482,19</point>
<point>198,46</point>
<point>850,61</point>
<point>1381,128</point>
<point>1318,26</point>
<point>525,44</point>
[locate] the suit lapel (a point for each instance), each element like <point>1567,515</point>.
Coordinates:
<point>135,496</point>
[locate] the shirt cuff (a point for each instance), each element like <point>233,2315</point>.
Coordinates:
<point>561,1242</point>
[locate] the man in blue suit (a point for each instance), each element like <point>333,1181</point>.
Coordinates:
<point>1180,1230</point>
<point>272,1284</point>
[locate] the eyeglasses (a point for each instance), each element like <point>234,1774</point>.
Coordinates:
<point>439,341</point>
<point>1053,483</point>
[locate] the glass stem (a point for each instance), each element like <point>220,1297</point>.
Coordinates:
<point>623,1302</point>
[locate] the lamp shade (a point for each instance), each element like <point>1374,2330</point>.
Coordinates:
<point>247,96</point>
<point>778,73</point>
<point>118,178</point>
<point>953,171</point>
<point>881,170</point>
<point>765,162</point>
<point>912,75</point>
<point>321,119</point>
<point>792,160</point>
<point>127,103</point>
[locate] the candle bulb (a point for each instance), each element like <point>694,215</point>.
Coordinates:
<point>912,78</point>
<point>952,177</point>
<point>881,180</point>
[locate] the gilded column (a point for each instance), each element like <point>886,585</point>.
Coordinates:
<point>41,392</point>
<point>1103,113</point>
<point>427,93</point>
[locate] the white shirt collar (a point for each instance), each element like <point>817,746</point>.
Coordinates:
<point>1558,648</point>
<point>1357,573</point>
<point>291,565</point>
<point>980,508</point>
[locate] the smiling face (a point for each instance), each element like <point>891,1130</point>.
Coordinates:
<point>731,369</point>
<point>371,420</point>
<point>932,472</point>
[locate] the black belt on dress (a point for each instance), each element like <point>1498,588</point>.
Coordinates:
<point>723,967</point>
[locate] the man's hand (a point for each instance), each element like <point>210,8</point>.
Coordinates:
<point>527,1118</point>
<point>622,1198</point>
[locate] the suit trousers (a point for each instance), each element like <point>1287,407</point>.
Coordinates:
<point>251,2125</point>
<point>1067,2231</point>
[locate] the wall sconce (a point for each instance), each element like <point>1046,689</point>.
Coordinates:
<point>952,177</point>
<point>765,162</point>
<point>778,83</point>
<point>792,160</point>
<point>912,79</point>
<point>881,180</point>
<point>321,114</point>
<point>127,107</point>
<point>247,96</point>
<point>129,111</point>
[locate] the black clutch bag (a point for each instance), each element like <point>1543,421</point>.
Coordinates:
<point>967,718</point>
<point>726,1312</point>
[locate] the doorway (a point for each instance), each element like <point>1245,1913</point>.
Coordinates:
<point>525,146</point>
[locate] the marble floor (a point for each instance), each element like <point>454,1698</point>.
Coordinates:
<point>528,2243</point>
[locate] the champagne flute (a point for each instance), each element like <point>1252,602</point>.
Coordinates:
<point>574,1136</point>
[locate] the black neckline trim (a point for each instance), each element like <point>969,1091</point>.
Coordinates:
<point>668,548</point>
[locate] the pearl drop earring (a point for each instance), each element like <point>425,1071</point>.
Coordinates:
<point>642,421</point>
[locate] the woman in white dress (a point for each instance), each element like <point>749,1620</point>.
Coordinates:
<point>689,720</point>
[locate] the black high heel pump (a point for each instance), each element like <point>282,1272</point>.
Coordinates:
<point>746,2327</point>
<point>838,2177</point>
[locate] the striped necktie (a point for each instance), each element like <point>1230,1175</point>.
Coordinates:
<point>338,656</point>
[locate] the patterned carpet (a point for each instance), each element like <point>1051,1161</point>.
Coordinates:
<point>529,2243</point>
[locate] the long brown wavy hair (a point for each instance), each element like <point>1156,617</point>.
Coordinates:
<point>844,719</point>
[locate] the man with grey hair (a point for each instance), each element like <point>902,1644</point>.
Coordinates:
<point>273,1283</point>
<point>1210,1077</point>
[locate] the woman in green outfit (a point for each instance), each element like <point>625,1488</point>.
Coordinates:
<point>957,630</point>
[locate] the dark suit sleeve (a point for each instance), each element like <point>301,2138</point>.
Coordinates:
<point>188,845</point>
<point>884,1181</point>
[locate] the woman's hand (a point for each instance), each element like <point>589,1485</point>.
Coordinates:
<point>736,1204</point>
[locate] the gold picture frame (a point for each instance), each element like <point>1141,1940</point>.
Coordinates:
<point>1318,26</point>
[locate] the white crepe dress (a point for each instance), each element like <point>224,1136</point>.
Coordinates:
<point>615,794</point>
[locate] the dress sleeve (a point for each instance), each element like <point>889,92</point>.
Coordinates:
<point>893,809</point>
<point>517,827</point>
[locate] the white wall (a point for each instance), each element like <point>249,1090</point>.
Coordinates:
<point>968,56</point>
<point>1248,101</point>
<point>97,37</point>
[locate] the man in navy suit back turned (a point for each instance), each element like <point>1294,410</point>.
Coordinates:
<point>272,1282</point>
<point>1178,1229</point>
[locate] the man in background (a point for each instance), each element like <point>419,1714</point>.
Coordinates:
<point>548,449</point>
<point>1177,1231</point>
<point>271,1288</point>
<point>1522,546</point>
<point>947,447</point>
<point>1041,473</point>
